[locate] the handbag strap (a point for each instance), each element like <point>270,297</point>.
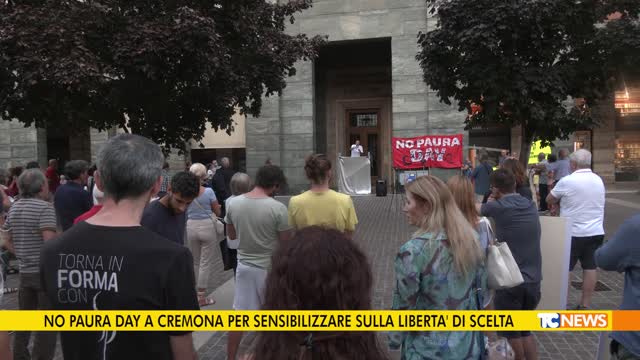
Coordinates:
<point>492,236</point>
<point>212,216</point>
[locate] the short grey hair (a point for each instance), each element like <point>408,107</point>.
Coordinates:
<point>240,183</point>
<point>129,165</point>
<point>74,168</point>
<point>31,182</point>
<point>582,159</point>
<point>225,162</point>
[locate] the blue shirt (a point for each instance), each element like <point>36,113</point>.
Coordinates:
<point>480,176</point>
<point>71,200</point>
<point>165,222</point>
<point>560,168</point>
<point>200,208</point>
<point>622,254</point>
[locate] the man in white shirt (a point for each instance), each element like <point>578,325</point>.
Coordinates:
<point>356,149</point>
<point>581,196</point>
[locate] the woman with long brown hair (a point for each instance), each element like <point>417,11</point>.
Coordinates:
<point>522,181</point>
<point>440,268</point>
<point>319,269</point>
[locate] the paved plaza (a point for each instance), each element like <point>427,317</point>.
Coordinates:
<point>382,230</point>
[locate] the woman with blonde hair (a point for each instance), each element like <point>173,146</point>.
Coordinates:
<point>201,232</point>
<point>440,268</point>
<point>463,194</point>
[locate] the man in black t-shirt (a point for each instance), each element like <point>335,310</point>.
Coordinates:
<point>167,216</point>
<point>110,262</point>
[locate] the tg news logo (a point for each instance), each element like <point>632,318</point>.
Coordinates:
<point>582,320</point>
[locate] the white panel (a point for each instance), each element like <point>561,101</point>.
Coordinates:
<point>555,245</point>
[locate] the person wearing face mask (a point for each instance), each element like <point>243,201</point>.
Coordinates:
<point>443,249</point>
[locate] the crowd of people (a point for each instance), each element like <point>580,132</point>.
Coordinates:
<point>128,236</point>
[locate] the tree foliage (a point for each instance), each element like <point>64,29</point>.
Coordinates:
<point>161,68</point>
<point>520,60</point>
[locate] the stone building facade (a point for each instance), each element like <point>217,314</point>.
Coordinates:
<point>368,70</point>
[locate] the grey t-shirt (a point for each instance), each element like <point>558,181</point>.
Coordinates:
<point>518,224</point>
<point>27,218</point>
<point>258,223</point>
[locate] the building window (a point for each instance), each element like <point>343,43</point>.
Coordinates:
<point>364,119</point>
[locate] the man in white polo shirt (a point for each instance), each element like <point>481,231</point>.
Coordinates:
<point>581,196</point>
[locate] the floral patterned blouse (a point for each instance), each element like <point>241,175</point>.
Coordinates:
<point>426,279</point>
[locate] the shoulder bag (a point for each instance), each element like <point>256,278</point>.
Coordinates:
<point>229,256</point>
<point>217,223</point>
<point>494,347</point>
<point>502,270</point>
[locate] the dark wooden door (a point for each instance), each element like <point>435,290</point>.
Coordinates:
<point>364,125</point>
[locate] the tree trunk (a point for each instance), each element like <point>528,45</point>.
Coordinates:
<point>525,146</point>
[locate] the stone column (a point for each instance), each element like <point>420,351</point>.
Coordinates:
<point>603,141</point>
<point>263,135</point>
<point>410,115</point>
<point>98,138</point>
<point>297,135</point>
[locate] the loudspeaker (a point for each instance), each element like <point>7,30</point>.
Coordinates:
<point>381,188</point>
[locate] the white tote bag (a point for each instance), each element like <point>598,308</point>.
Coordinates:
<point>502,270</point>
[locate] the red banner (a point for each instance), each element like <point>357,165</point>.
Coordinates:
<point>438,151</point>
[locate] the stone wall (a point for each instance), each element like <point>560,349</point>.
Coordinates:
<point>98,138</point>
<point>19,145</point>
<point>603,142</point>
<point>285,131</point>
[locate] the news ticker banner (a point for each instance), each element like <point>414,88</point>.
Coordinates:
<point>21,320</point>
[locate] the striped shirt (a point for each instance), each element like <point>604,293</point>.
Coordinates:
<point>164,185</point>
<point>26,220</point>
